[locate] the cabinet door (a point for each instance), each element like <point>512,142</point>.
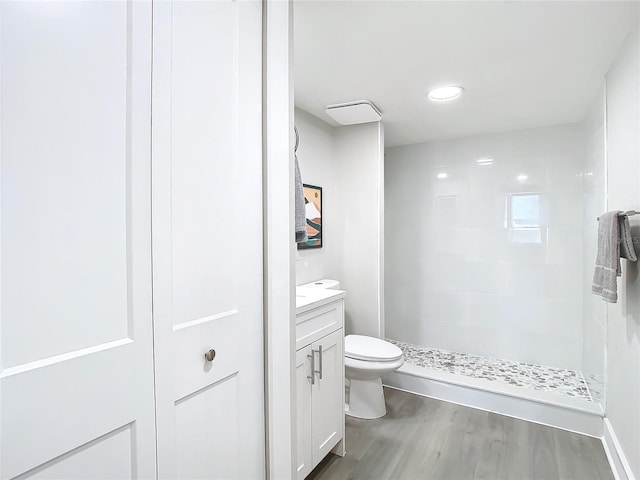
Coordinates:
<point>327,418</point>
<point>303,412</point>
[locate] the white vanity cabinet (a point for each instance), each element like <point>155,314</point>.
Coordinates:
<point>319,381</point>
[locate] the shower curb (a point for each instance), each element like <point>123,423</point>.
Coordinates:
<point>539,407</point>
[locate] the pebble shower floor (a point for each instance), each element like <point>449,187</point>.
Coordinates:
<point>570,383</point>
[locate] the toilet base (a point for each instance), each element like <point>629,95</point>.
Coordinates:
<point>366,399</point>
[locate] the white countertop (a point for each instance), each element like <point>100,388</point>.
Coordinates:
<point>308,298</point>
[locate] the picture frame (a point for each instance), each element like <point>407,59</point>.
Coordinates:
<point>313,215</point>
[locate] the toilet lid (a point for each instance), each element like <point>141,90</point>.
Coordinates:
<point>362,347</point>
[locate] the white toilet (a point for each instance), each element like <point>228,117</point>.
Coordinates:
<point>366,360</point>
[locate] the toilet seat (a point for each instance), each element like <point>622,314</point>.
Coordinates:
<point>366,367</point>
<point>364,348</point>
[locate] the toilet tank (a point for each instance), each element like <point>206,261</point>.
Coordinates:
<point>324,283</point>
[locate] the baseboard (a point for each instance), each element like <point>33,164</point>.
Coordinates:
<point>615,455</point>
<point>570,416</point>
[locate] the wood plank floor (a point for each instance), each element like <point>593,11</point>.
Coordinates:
<point>422,438</point>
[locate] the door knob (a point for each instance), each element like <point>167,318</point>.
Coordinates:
<point>210,355</point>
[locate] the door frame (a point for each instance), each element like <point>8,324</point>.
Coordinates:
<point>279,247</point>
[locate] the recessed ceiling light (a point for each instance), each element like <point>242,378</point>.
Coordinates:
<point>485,161</point>
<point>448,92</point>
<point>522,177</point>
<point>442,175</point>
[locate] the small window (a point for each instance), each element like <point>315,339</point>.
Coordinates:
<point>525,211</point>
<point>523,217</point>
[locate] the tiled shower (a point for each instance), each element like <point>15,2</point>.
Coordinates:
<point>489,249</point>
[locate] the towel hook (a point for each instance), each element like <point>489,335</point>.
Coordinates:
<point>295,129</point>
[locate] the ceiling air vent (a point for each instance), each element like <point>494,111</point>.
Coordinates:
<point>351,113</point>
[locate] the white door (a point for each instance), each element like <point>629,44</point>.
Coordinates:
<point>327,404</point>
<point>76,372</point>
<point>207,238</point>
<point>303,412</point>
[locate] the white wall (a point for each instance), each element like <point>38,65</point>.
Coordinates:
<point>594,310</point>
<point>319,166</point>
<point>360,150</point>
<point>623,329</point>
<point>456,277</point>
<point>347,162</point>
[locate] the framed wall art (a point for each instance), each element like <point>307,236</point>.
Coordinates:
<point>313,214</point>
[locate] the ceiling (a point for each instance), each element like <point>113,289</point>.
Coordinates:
<point>523,64</point>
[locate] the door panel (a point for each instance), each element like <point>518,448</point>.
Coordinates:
<point>207,238</point>
<point>201,416</point>
<point>76,358</point>
<point>327,409</point>
<point>203,151</point>
<point>303,413</point>
<point>55,214</point>
<point>105,457</point>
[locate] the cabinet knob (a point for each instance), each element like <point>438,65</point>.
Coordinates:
<point>210,355</point>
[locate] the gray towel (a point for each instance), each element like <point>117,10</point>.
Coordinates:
<point>627,249</point>
<point>301,218</point>
<point>614,242</point>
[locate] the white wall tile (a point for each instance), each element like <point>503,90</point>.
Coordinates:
<point>480,286</point>
<point>594,308</point>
